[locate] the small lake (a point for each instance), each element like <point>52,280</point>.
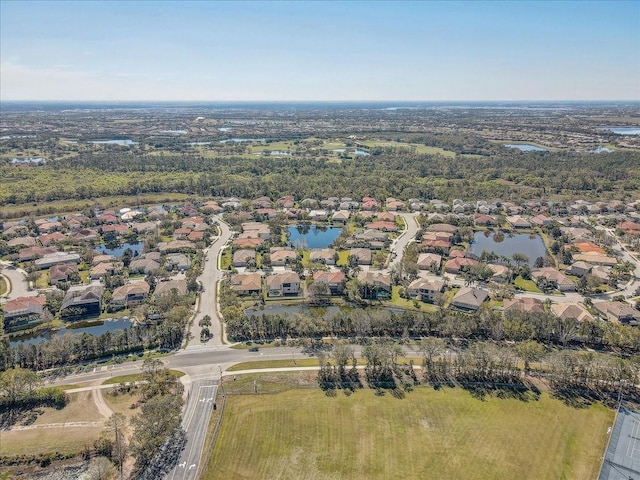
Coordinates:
<point>119,250</point>
<point>357,151</point>
<point>313,237</point>
<point>602,150</point>
<point>523,147</point>
<point>125,142</point>
<point>275,153</point>
<point>28,160</point>
<point>623,130</point>
<point>505,245</point>
<point>241,140</point>
<point>94,328</point>
<point>225,129</point>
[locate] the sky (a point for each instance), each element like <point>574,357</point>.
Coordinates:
<point>304,50</point>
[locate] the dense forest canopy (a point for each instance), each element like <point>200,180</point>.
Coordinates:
<point>512,175</point>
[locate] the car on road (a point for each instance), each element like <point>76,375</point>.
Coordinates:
<point>253,349</point>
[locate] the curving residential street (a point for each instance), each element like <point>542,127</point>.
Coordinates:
<point>211,275</point>
<point>17,277</point>
<point>407,236</point>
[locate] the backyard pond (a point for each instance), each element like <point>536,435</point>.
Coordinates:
<point>92,327</point>
<point>506,245</point>
<point>307,236</point>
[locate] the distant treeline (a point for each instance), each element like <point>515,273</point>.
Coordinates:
<point>401,174</point>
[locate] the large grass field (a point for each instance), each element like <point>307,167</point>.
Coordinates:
<point>428,434</point>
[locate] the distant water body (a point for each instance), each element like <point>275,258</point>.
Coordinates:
<point>525,147</point>
<point>623,130</point>
<point>194,107</point>
<point>125,142</point>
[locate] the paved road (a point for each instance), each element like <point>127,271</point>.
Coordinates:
<point>203,363</point>
<point>19,285</point>
<point>202,397</point>
<point>209,279</point>
<point>407,236</point>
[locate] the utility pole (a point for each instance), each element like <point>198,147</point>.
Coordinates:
<point>221,383</point>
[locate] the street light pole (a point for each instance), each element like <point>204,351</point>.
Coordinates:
<point>221,383</point>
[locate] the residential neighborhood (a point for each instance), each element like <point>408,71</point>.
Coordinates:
<point>589,269</point>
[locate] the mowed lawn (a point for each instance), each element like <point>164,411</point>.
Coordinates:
<point>429,434</point>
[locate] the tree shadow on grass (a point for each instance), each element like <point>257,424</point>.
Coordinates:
<point>516,390</point>
<point>19,416</point>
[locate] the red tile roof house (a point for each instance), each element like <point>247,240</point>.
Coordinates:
<point>262,202</point>
<point>456,253</point>
<point>144,266</point>
<point>569,310</point>
<point>48,238</point>
<point>282,256</point>
<point>370,205</point>
<point>618,311</point>
<point>425,290</point>
<point>248,242</point>
<point>484,220</point>
<point>103,258</point>
<point>441,246</point>
<point>340,216</point>
<point>24,312</point>
<point>62,273</point>
<point>363,255</point>
<point>455,265</point>
<point>374,285</point>
<point>334,280</point>
<point>516,221</point>
<point>541,220</point>
<point>558,279</point>
<point>195,236</point>
<point>288,201</point>
<point>469,298</point>
<point>177,246</point>
<point>100,270</point>
<point>130,294</point>
<point>107,219</point>
<point>31,253</point>
<point>26,241</point>
<point>324,255</point>
<point>246,284</point>
<point>441,227</point>
<point>117,229</point>
<point>286,283</point>
<point>386,217</point>
<point>630,228</point>
<point>266,213</point>
<point>241,258</point>
<point>383,226</point>
<point>181,233</point>
<point>526,304</point>
<point>86,234</point>
<point>82,301</point>
<point>192,222</point>
<point>429,261</point>
<point>165,288</point>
